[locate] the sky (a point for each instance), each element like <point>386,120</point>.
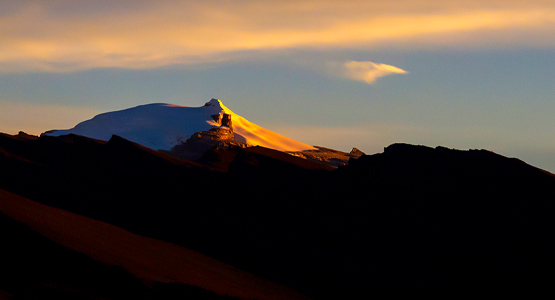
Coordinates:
<point>337,74</point>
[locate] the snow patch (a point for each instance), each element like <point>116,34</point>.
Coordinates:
<point>162,126</point>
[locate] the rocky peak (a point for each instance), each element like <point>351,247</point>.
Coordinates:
<point>357,152</point>
<point>217,118</point>
<point>226,121</point>
<point>217,134</point>
<point>203,141</point>
<point>213,102</point>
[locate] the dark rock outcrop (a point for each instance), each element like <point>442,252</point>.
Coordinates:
<point>330,157</point>
<point>203,141</point>
<point>226,121</point>
<point>217,118</point>
<point>357,152</point>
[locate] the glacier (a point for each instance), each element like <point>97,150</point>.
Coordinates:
<point>161,126</point>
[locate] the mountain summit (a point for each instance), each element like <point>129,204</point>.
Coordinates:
<point>162,126</point>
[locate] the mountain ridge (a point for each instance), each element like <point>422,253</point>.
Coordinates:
<point>162,126</point>
<point>413,220</point>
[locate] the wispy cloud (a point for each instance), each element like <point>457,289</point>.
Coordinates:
<point>368,71</point>
<point>68,35</point>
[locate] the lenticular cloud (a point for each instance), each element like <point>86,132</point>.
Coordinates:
<point>368,71</point>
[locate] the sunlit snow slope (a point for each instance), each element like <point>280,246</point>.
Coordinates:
<point>162,126</point>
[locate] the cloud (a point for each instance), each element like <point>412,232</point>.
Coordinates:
<point>62,35</point>
<point>368,71</point>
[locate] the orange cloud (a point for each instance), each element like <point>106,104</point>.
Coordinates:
<point>43,36</point>
<point>368,71</point>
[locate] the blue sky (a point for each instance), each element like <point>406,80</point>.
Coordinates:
<point>363,74</point>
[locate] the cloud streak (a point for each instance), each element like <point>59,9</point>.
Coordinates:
<point>65,35</point>
<point>368,71</point>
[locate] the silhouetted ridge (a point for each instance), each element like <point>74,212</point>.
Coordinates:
<point>26,136</point>
<point>412,220</point>
<point>281,157</point>
<point>67,256</point>
<point>426,158</point>
<point>125,147</point>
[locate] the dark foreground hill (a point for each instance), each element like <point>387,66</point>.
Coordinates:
<point>412,220</point>
<point>52,253</point>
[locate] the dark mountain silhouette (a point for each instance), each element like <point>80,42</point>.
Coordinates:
<point>412,220</point>
<point>124,264</point>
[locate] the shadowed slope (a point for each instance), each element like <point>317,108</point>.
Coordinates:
<point>150,260</point>
<point>221,158</point>
<point>413,220</point>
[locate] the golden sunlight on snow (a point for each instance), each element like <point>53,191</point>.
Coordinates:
<point>258,136</point>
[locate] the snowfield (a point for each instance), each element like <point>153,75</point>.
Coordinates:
<point>161,126</point>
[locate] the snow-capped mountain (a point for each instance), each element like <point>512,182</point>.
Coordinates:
<point>161,126</point>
